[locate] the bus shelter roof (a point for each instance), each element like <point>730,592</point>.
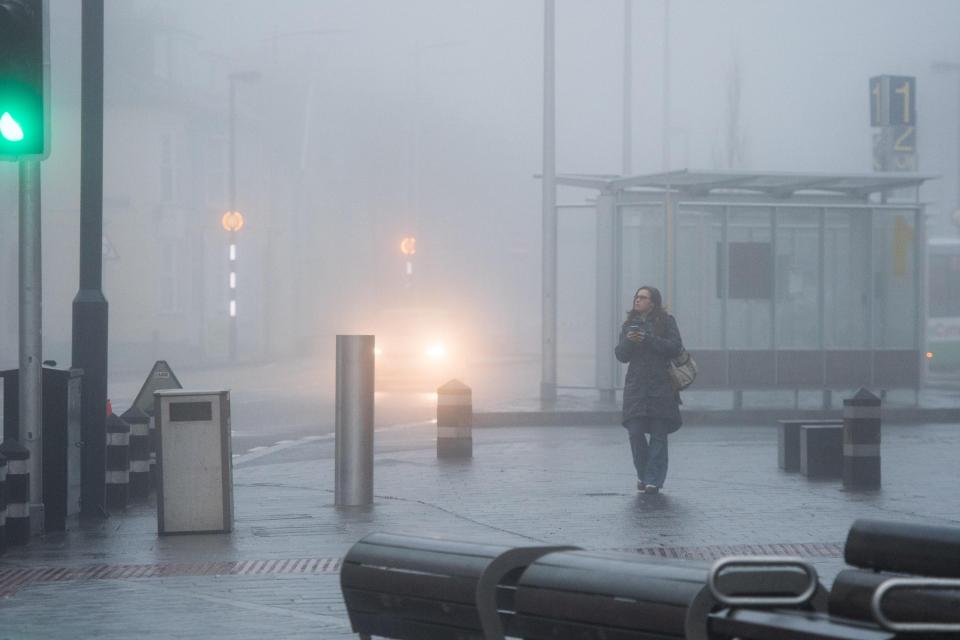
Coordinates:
<point>770,183</point>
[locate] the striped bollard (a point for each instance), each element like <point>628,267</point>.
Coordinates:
<point>139,453</point>
<point>3,504</point>
<point>152,439</point>
<point>454,421</point>
<point>118,461</point>
<point>17,492</point>
<point>861,441</point>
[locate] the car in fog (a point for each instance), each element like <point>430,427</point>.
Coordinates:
<point>418,348</point>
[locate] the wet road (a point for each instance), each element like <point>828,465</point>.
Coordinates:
<point>290,400</point>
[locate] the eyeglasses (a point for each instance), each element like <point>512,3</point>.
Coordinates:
<point>641,297</point>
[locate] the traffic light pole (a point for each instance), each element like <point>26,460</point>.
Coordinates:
<point>31,335</point>
<point>90,305</point>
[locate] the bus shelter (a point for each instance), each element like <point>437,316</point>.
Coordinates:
<point>799,281</point>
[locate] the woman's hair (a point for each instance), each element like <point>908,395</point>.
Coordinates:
<point>658,314</point>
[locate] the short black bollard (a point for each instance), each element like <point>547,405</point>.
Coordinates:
<point>118,461</point>
<point>821,451</point>
<point>454,421</point>
<point>861,441</point>
<point>139,452</point>
<point>788,441</point>
<point>3,504</point>
<point>18,492</point>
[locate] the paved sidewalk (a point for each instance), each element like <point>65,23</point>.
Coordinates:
<point>276,575</point>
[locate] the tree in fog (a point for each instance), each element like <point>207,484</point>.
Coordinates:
<point>735,138</point>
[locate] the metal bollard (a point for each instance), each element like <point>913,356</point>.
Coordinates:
<point>454,420</point>
<point>3,504</point>
<point>353,482</point>
<point>18,492</point>
<point>861,441</point>
<point>118,461</point>
<point>139,422</point>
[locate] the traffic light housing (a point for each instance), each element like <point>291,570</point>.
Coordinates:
<point>24,115</point>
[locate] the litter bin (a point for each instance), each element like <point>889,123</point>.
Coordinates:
<point>60,440</point>
<point>195,492</point>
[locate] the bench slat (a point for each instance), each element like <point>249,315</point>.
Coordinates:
<point>617,591</point>
<point>754,624</point>
<point>433,545</point>
<point>926,550</point>
<point>412,607</point>
<point>440,587</point>
<point>603,611</point>
<point>853,589</point>
<point>535,628</point>
<point>468,565</point>
<point>392,627</point>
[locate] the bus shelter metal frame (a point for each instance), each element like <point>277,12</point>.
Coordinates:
<point>723,190</point>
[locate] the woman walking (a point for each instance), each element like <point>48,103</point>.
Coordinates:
<point>648,341</point>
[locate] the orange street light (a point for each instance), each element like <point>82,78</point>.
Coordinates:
<point>408,246</point>
<point>232,221</point>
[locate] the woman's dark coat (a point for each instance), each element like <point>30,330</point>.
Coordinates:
<point>648,390</point>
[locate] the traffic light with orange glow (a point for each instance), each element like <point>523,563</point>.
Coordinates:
<point>23,80</point>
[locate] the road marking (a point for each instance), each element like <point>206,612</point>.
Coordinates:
<point>259,452</point>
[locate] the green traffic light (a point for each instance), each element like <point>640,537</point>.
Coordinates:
<point>9,128</point>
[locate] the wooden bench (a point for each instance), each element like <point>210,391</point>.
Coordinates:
<point>407,587</point>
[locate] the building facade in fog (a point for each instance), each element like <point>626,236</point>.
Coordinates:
<point>165,261</point>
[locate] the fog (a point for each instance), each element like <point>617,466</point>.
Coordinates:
<point>371,121</point>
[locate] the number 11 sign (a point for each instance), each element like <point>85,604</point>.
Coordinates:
<point>893,101</point>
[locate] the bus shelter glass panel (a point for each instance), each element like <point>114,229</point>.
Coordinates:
<point>943,304</point>
<point>798,277</point>
<point>643,253</point>
<point>847,286</point>
<point>696,305</point>
<point>749,278</point>
<point>643,250</point>
<point>576,297</point>
<point>895,279</point>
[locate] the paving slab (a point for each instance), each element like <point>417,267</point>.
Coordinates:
<point>276,574</point>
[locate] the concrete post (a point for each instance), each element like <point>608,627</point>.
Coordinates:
<point>454,420</point>
<point>353,484</point>
<point>861,441</point>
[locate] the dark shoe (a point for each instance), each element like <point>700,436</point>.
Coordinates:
<point>651,488</point>
<point>641,486</point>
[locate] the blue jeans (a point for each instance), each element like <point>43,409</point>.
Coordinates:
<point>649,458</point>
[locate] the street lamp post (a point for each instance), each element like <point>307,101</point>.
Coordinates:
<point>241,76</point>
<point>944,67</point>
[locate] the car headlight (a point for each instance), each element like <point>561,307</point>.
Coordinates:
<point>436,351</point>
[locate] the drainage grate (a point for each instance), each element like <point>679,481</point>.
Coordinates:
<point>13,579</point>
<point>713,552</point>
